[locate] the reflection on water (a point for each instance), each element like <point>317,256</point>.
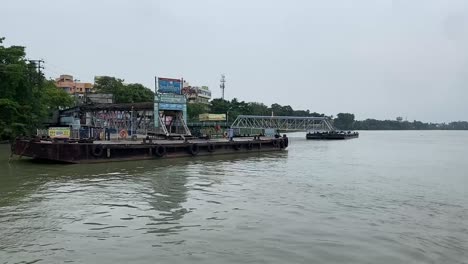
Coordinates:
<point>387,197</point>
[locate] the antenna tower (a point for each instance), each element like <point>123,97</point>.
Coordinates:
<point>222,85</point>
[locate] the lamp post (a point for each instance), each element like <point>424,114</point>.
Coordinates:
<point>131,123</point>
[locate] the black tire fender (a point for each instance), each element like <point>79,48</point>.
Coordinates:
<point>97,150</point>
<point>275,143</point>
<point>211,147</point>
<point>193,149</point>
<point>281,144</point>
<point>249,146</point>
<point>160,151</point>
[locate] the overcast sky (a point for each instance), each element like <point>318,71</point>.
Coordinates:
<point>374,58</point>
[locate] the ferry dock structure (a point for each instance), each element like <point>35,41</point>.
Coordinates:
<point>133,131</point>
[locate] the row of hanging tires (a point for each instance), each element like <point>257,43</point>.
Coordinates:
<point>194,149</point>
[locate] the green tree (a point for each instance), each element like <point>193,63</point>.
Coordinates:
<point>19,92</point>
<point>54,99</point>
<point>344,121</point>
<point>276,109</point>
<point>219,106</point>
<point>123,93</point>
<point>134,93</point>
<point>12,119</point>
<point>26,98</point>
<point>236,107</point>
<point>258,109</point>
<point>195,109</point>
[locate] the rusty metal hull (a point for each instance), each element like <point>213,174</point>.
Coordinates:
<point>105,151</point>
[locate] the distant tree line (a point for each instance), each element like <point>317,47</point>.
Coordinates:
<point>342,121</point>
<point>235,107</point>
<point>345,121</point>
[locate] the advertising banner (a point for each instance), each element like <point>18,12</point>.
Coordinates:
<point>166,106</point>
<point>59,132</point>
<point>171,98</point>
<point>167,85</point>
<point>212,117</point>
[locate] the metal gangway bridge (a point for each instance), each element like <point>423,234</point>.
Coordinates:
<point>283,123</point>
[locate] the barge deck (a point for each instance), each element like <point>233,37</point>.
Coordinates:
<point>107,151</point>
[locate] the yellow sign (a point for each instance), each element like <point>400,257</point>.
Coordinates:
<point>59,132</point>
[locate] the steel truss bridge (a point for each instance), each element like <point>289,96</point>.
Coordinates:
<point>283,123</point>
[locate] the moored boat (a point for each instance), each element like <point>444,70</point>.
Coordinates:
<point>332,135</point>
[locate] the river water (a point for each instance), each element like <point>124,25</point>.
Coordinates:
<point>387,197</point>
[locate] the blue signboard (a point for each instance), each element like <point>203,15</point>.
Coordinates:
<point>165,106</point>
<point>171,98</point>
<point>166,85</point>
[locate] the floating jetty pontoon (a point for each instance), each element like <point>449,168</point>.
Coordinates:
<point>106,151</point>
<point>137,131</point>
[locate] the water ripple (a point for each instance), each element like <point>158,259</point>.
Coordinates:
<point>364,201</point>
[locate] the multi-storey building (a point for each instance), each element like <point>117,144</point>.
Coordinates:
<point>196,94</point>
<point>71,86</point>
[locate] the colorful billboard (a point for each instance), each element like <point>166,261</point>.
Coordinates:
<point>167,85</point>
<point>59,132</point>
<point>190,91</point>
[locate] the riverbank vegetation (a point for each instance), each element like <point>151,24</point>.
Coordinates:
<point>27,99</point>
<point>346,121</point>
<point>235,107</point>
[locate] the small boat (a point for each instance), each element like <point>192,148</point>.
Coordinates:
<point>332,135</point>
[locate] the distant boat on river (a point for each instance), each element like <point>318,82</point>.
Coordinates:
<point>332,135</point>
